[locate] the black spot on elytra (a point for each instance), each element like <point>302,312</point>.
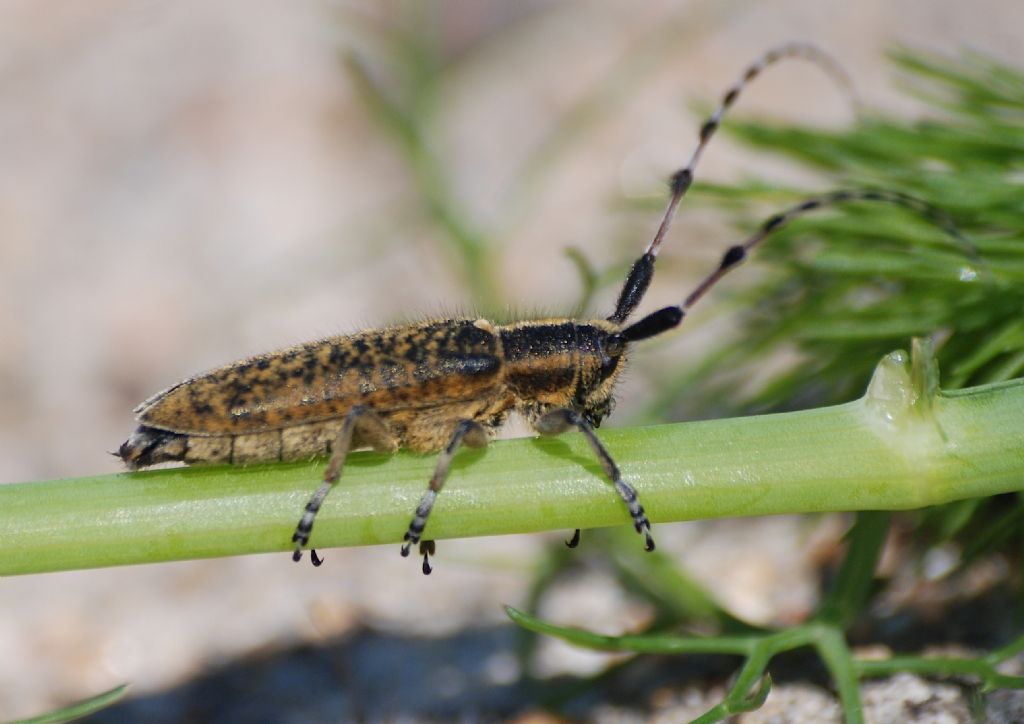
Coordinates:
<point>470,337</point>
<point>413,353</point>
<point>338,357</point>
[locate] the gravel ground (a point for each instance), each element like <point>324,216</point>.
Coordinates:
<point>183,184</point>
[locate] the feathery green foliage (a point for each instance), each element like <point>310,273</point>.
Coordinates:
<point>846,287</point>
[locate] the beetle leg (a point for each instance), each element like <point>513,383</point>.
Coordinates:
<point>375,432</point>
<point>468,433</point>
<point>558,421</point>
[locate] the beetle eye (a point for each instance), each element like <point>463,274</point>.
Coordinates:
<point>615,345</point>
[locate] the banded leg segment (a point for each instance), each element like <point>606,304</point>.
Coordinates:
<point>683,178</point>
<point>468,433</point>
<point>558,421</point>
<point>375,432</point>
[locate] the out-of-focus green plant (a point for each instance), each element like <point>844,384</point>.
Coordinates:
<point>80,709</point>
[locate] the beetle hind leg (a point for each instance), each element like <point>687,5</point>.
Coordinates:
<point>374,431</point>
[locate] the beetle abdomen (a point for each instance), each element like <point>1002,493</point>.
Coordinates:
<point>150,446</point>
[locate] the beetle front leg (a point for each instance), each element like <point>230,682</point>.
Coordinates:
<point>558,421</point>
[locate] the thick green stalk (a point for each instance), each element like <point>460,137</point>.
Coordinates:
<point>903,445</point>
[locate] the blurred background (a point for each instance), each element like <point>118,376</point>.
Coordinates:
<point>184,184</point>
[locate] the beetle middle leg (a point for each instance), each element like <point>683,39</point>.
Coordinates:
<point>558,421</point>
<point>374,431</point>
<point>468,433</point>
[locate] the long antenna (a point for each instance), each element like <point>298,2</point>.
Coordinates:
<point>668,317</point>
<point>736,254</point>
<point>642,272</point>
<point>683,178</point>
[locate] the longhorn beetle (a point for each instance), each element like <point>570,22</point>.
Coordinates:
<point>434,386</point>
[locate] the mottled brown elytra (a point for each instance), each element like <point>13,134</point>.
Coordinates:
<point>435,385</point>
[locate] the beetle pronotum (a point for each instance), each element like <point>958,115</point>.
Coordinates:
<point>438,385</point>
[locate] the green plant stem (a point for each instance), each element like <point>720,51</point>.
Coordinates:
<point>945,666</point>
<point>901,446</point>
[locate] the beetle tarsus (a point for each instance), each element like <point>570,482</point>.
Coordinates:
<point>427,548</point>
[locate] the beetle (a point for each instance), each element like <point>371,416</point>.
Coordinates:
<point>436,385</point>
